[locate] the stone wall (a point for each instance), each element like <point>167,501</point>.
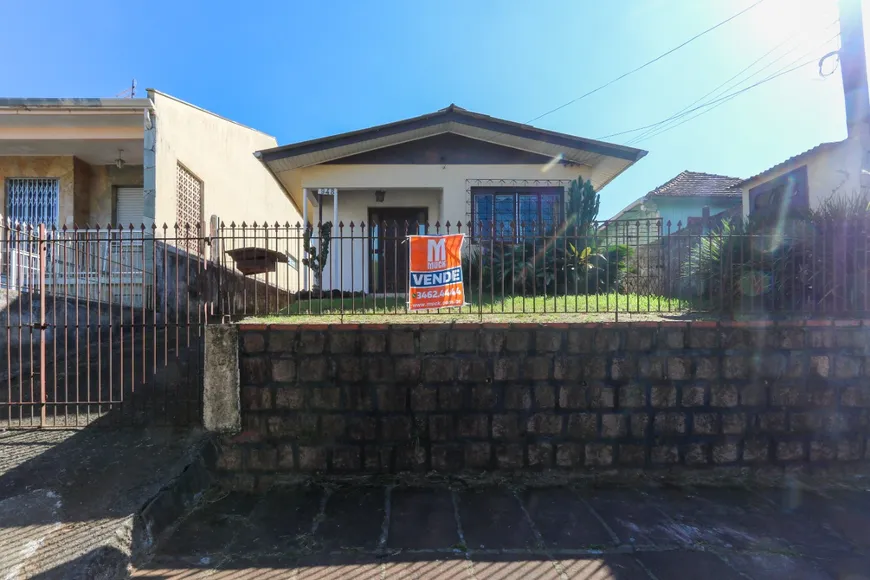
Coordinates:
<point>738,399</point>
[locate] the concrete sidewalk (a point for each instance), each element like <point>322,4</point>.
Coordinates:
<point>397,532</point>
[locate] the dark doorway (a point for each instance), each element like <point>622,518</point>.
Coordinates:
<point>388,246</point>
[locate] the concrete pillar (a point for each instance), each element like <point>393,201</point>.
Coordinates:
<point>221,407</point>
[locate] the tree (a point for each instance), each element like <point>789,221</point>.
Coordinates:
<point>583,205</point>
<point>314,259</point>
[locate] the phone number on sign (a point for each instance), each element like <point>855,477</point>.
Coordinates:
<point>421,295</point>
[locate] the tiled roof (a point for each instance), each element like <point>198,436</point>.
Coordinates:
<point>821,148</point>
<point>694,184</point>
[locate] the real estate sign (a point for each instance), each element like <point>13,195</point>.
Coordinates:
<point>435,272</point>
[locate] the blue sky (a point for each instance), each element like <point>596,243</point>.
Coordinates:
<point>300,70</point>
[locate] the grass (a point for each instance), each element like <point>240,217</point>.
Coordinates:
<point>579,308</point>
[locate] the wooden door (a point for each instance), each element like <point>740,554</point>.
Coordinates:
<point>388,227</point>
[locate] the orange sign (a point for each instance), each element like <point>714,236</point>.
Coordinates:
<point>435,272</point>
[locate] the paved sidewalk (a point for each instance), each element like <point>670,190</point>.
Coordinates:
<point>396,532</point>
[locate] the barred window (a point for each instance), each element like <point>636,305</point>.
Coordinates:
<point>32,200</point>
<point>189,204</point>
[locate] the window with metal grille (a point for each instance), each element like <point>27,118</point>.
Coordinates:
<point>189,206</point>
<point>32,200</point>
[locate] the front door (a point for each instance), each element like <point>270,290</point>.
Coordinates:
<point>388,228</point>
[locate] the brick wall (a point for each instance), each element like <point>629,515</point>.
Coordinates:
<point>579,398</point>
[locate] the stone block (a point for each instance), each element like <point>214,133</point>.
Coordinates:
<point>735,367</point>
<point>640,339</point>
<point>786,338</point>
<point>509,456</point>
<point>540,455</point>
<point>820,366</point>
<point>669,423</point>
<point>850,449</point>
<point>492,341</point>
<point>325,398</point>
<point>424,399</point>
<point>548,340</point>
<point>821,338</point>
<point>286,457</point>
<point>753,395</point>
<point>769,365</point>
<point>450,398</point>
<point>462,341</point>
<point>358,398</point>
<point>678,368</point>
<point>362,428</point>
<point>401,342</point>
<point>545,397</point>
<point>725,453</point>
<point>314,370</point>
<point>705,424</point>
<point>672,339</point>
<point>692,396</point>
<point>613,425</point>
<point>652,367</point>
<point>756,450</point>
<point>311,342</point>
<point>484,397</point>
<point>377,457</point>
<point>478,455</point>
<point>447,458</point>
<point>631,454</point>
<point>599,454</point>
<point>707,367</point>
<point>392,398</point>
<point>580,340</point>
<point>569,454</point>
<point>771,422</point>
<point>606,340</point>
<point>790,451</point>
<point>289,398</point>
<point>256,399</point>
<point>723,396</point>
<point>230,458</point>
<point>738,339</point>
<point>433,341</point>
<point>573,398</point>
<point>395,428</point>
<point>546,423</point>
<point>665,454</point>
<point>697,453</point>
<point>283,341</point>
<point>439,369</point>
<point>823,451</point>
<point>639,424</point>
<point>789,395</point>
<point>383,369</point>
<point>601,397</point>
<point>537,368</point>
<point>846,337</point>
<point>254,370</point>
<point>583,426</point>
<point>734,423</point>
<point>312,458</point>
<point>472,371</point>
<point>703,338</point>
<point>332,426</point>
<point>441,427</point>
<point>806,422</point>
<point>473,426</point>
<point>346,458</point>
<point>632,396</point>
<point>516,397</point>
<point>262,458</point>
<point>821,396</point>
<point>663,397</point>
<point>350,369</point>
<point>506,369</point>
<point>847,367</point>
<point>506,426</point>
<point>342,342</point>
<point>373,342</point>
<point>253,342</point>
<point>567,368</point>
<point>623,368</point>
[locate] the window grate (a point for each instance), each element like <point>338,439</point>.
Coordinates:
<point>189,208</point>
<point>32,200</point>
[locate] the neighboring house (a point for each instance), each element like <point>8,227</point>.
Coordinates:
<point>674,205</point>
<point>155,160</point>
<point>807,180</point>
<point>452,165</point>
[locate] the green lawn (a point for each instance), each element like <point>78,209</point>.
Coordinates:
<point>585,308</point>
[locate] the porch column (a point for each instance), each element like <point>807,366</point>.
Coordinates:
<point>336,262</point>
<point>304,225</point>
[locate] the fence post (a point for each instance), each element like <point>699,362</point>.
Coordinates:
<point>42,267</point>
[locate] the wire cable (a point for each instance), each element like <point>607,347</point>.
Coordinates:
<point>646,64</point>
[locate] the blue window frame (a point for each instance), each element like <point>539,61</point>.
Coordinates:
<point>511,214</point>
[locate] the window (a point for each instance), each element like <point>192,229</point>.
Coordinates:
<point>32,200</point>
<point>189,207</point>
<point>787,192</point>
<point>515,213</point>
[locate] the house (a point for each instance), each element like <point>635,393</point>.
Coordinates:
<point>805,181</point>
<point>687,198</point>
<point>452,165</point>
<point>81,164</point>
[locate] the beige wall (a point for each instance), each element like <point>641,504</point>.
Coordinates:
<point>104,181</point>
<point>833,173</point>
<point>61,168</point>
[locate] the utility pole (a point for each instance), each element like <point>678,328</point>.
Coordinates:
<point>853,68</point>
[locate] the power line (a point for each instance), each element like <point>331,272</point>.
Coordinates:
<point>646,64</point>
<point>728,85</point>
<point>723,98</point>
